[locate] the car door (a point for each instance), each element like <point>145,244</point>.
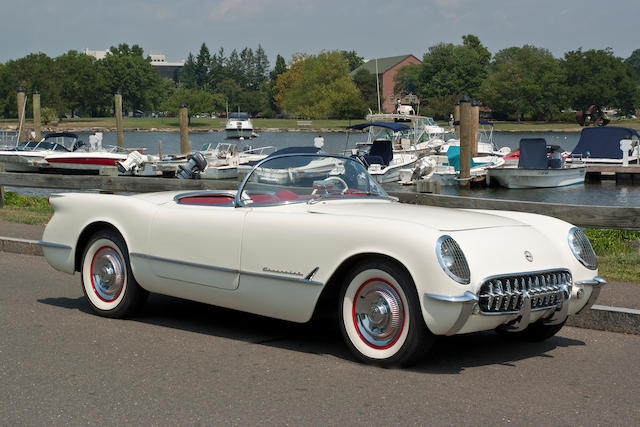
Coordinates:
<point>197,244</point>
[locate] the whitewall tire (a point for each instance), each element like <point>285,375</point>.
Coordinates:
<point>380,316</point>
<point>107,280</point>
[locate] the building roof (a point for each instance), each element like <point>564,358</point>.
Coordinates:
<point>384,64</point>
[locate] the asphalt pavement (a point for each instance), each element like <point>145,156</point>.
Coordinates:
<point>181,362</point>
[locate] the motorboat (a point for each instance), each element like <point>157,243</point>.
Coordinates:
<point>486,145</point>
<point>603,145</point>
<point>29,156</point>
<point>239,125</point>
<point>537,168</point>
<point>89,158</point>
<point>378,154</point>
<point>424,135</point>
<point>446,168</point>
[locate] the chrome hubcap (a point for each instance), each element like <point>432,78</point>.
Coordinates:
<point>107,274</point>
<point>378,313</point>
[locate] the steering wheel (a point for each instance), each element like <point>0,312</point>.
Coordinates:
<point>341,181</point>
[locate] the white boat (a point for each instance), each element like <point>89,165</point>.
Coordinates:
<point>603,145</point>
<point>29,156</point>
<point>89,159</point>
<point>378,154</point>
<point>536,170</point>
<point>424,136</point>
<point>446,168</point>
<point>486,146</point>
<point>239,125</point>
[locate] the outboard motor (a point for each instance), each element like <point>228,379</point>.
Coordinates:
<point>196,164</point>
<point>134,161</point>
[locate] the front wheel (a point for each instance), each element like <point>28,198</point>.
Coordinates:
<point>380,316</point>
<point>107,280</point>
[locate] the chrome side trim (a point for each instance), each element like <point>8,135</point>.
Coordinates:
<point>276,277</point>
<point>53,245</point>
<point>229,270</point>
<point>188,264</point>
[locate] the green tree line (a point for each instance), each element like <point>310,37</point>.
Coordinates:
<point>515,83</point>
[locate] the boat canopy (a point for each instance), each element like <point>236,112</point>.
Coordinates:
<point>239,116</point>
<point>61,135</point>
<point>603,142</point>
<point>396,127</point>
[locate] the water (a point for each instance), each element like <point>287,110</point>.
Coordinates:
<point>605,193</point>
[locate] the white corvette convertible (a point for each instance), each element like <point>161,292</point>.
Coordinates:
<point>309,232</point>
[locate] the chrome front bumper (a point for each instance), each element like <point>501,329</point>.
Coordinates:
<point>520,319</point>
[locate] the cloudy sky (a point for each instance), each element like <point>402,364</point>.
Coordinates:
<point>373,28</point>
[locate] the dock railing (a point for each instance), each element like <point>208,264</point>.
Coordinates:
<point>615,217</point>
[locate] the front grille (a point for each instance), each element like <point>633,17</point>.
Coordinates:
<point>505,294</point>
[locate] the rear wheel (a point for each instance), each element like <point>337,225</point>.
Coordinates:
<point>380,316</point>
<point>107,280</point>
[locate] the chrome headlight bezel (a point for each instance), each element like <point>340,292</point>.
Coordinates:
<point>452,260</point>
<point>582,249</point>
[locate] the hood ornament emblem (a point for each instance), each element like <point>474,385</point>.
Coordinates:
<point>528,256</point>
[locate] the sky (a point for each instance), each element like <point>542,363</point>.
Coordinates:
<point>372,28</point>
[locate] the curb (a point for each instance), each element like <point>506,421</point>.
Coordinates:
<point>20,246</point>
<point>600,317</point>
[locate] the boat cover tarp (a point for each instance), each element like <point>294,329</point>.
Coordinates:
<point>603,142</point>
<point>453,154</point>
<point>61,135</point>
<point>396,127</point>
<point>381,152</point>
<point>533,153</point>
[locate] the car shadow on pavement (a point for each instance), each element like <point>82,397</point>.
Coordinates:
<point>449,355</point>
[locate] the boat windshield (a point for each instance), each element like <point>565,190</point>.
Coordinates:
<point>307,178</point>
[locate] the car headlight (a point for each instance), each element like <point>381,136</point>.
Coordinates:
<point>452,260</point>
<point>581,248</point>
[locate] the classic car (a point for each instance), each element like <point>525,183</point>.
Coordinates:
<point>309,234</point>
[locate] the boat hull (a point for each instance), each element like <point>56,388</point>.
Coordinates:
<point>239,133</point>
<point>537,178</point>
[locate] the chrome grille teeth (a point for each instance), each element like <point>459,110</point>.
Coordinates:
<point>506,294</point>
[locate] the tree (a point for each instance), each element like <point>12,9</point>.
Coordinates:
<point>203,62</point>
<point>352,59</point>
<point>597,77</point>
<point>634,61</point>
<point>366,84</point>
<point>453,70</point>
<point>127,71</point>
<point>198,101</point>
<point>188,74</point>
<point>82,87</point>
<point>525,80</point>
<point>320,87</point>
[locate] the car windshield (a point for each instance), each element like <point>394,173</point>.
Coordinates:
<point>305,178</point>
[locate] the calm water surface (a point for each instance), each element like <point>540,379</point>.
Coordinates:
<point>605,193</point>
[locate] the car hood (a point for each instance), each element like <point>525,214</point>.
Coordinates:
<point>444,219</point>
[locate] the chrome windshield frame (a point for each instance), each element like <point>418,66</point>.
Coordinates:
<point>238,203</point>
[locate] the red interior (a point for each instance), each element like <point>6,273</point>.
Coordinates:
<point>278,197</point>
<point>206,200</point>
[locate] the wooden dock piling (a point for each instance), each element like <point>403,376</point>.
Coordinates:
<point>36,115</point>
<point>466,139</point>
<point>185,144</point>
<point>118,110</point>
<point>21,107</point>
